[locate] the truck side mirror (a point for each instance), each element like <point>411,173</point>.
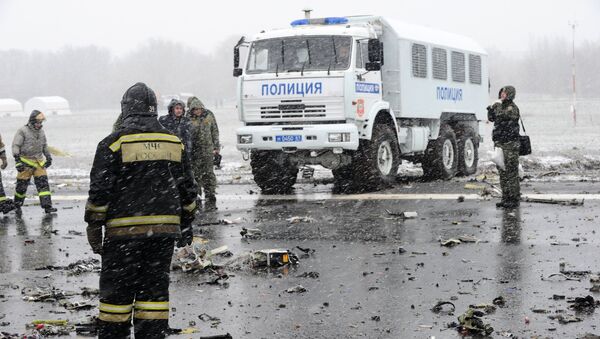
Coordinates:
<point>373,66</point>
<point>375,48</point>
<point>237,71</point>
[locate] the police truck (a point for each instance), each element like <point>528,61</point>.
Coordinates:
<point>356,95</point>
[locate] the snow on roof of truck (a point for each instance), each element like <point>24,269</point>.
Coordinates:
<point>338,29</point>
<point>408,31</point>
<point>366,25</point>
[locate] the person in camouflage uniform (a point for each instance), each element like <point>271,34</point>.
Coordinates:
<point>205,144</point>
<point>504,113</point>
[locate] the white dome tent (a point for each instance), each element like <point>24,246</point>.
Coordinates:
<point>48,105</point>
<point>10,107</point>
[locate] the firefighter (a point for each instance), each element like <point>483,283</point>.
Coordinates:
<point>32,158</point>
<point>142,194</point>
<point>6,204</point>
<point>205,146</point>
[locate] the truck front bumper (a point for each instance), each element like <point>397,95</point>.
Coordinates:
<point>298,137</point>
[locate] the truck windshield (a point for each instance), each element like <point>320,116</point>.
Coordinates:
<point>297,54</point>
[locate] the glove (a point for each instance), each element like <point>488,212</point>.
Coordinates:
<point>94,236</point>
<point>4,162</point>
<point>20,166</point>
<point>187,235</point>
<point>48,162</point>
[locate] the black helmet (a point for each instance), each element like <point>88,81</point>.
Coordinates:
<point>139,99</point>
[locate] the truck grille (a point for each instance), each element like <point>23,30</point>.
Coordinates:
<point>286,110</point>
<point>293,109</point>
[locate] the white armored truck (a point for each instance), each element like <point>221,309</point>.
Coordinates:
<point>356,95</point>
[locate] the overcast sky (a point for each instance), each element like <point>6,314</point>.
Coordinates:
<point>122,25</point>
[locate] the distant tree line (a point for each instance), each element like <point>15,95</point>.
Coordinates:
<point>93,77</point>
<point>545,69</point>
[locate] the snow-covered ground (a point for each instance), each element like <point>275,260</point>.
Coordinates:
<point>558,144</point>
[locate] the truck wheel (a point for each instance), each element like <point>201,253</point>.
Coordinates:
<point>270,176</point>
<point>441,157</point>
<point>376,162</point>
<point>468,151</point>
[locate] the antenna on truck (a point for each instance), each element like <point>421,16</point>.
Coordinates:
<point>307,11</point>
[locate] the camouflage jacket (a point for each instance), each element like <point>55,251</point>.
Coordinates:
<point>505,117</point>
<point>205,134</point>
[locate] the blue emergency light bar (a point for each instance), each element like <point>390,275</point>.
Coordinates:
<point>320,21</point>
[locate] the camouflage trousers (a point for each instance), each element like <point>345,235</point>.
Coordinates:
<point>509,177</point>
<point>204,174</point>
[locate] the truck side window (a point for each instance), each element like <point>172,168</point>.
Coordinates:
<point>362,54</point>
<point>419,61</point>
<point>475,69</point>
<point>458,66</point>
<point>439,60</point>
<point>259,60</point>
<point>359,60</point>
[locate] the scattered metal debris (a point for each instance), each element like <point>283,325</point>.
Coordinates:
<point>297,219</point>
<point>471,323</point>
<point>564,202</point>
<point>251,233</point>
<point>403,215</point>
<point>296,289</point>
<point>439,307</point>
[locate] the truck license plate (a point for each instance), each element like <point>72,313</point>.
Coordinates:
<point>288,138</point>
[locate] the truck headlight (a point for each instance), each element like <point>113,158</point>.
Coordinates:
<point>245,139</point>
<point>339,137</point>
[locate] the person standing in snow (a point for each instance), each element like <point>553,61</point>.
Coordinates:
<point>142,194</point>
<point>505,115</point>
<point>205,145</point>
<point>32,158</point>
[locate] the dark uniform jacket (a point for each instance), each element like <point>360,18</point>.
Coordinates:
<point>181,127</point>
<point>141,181</point>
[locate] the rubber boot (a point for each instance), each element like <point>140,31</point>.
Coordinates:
<point>43,188</point>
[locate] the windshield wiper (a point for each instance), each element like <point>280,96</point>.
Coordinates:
<point>334,50</point>
<point>277,69</point>
<point>334,57</point>
<point>282,57</point>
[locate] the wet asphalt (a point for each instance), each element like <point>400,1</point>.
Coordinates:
<point>366,287</point>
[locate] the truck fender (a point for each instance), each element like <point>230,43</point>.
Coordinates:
<point>365,127</point>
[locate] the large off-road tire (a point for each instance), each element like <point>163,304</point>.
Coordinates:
<point>270,176</point>
<point>441,156</point>
<point>376,162</point>
<point>468,151</point>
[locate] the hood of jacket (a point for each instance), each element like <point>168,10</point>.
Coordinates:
<point>173,103</point>
<point>511,92</point>
<point>194,103</point>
